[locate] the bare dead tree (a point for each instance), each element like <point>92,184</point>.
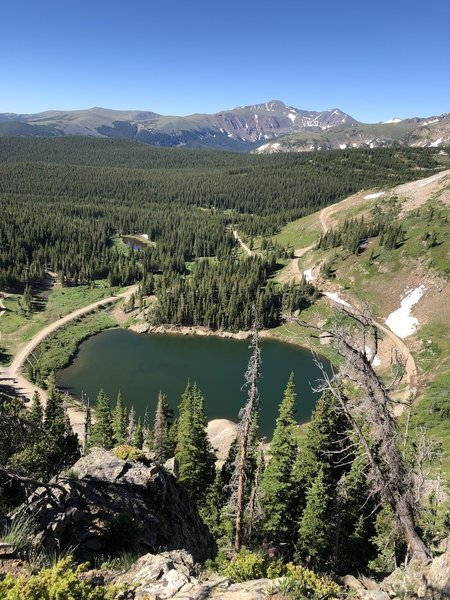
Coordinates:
<point>372,421</point>
<point>247,417</point>
<point>254,510</point>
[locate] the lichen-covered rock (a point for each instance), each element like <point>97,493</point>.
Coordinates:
<point>161,576</point>
<point>106,504</point>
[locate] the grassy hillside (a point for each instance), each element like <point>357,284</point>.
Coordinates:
<point>381,277</point>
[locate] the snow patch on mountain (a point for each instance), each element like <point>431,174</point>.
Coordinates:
<point>401,322</point>
<point>394,120</point>
<point>373,196</point>
<point>436,143</point>
<point>308,275</point>
<point>335,297</point>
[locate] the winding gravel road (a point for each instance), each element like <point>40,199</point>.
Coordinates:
<point>24,388</point>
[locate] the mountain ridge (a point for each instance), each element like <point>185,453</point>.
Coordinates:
<point>271,126</point>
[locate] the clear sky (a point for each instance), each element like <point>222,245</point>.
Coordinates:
<point>374,59</point>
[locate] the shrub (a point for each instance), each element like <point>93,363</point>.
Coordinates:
<point>246,565</point>
<point>55,583</point>
<point>305,582</point>
<point>130,453</point>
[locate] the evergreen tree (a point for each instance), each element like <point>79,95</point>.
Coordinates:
<point>388,541</point>
<point>278,490</point>
<point>353,516</point>
<point>54,411</point>
<point>59,447</point>
<point>37,412</point>
<point>138,441</point>
<point>194,453</point>
<point>314,540</point>
<point>159,440</point>
<point>102,429</point>
<point>172,437</point>
<point>212,512</point>
<point>320,448</point>
<point>120,420</point>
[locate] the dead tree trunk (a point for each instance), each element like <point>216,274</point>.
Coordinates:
<point>374,425</point>
<point>246,420</point>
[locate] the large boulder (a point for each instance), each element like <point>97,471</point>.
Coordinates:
<point>106,505</point>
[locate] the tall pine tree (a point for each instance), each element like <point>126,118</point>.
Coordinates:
<point>194,453</point>
<point>159,439</point>
<point>37,412</point>
<point>278,488</point>
<point>120,420</point>
<point>102,429</point>
<point>314,538</point>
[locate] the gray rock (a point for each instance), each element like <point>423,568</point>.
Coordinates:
<point>373,595</point>
<point>438,576</point>
<point>350,582</point>
<point>79,511</point>
<point>220,589</point>
<point>171,466</point>
<point>431,581</point>
<point>161,575</point>
<point>7,549</point>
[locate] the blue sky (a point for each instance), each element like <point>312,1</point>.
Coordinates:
<point>374,59</point>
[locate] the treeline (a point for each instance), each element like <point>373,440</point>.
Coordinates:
<point>219,295</point>
<point>73,238</point>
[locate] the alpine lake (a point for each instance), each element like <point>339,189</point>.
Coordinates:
<point>140,365</point>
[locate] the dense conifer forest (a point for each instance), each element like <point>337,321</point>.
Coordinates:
<point>65,201</point>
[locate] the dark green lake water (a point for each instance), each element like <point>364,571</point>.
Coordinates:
<point>140,365</point>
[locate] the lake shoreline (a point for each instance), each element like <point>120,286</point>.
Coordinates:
<point>141,365</point>
<point>199,330</point>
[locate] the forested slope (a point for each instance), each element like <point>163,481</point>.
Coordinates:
<point>64,200</point>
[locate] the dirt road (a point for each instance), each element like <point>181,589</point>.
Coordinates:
<point>294,270</point>
<point>243,244</point>
<point>24,388</point>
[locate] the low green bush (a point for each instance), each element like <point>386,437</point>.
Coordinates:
<point>296,582</point>
<point>246,565</point>
<point>55,583</point>
<point>126,452</point>
<point>303,582</point>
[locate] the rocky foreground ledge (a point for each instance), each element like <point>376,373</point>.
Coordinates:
<point>105,501</point>
<point>78,511</point>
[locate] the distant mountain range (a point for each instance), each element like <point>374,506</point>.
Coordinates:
<point>263,128</point>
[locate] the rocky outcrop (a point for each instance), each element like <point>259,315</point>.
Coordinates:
<point>161,575</point>
<point>430,582</point>
<point>171,575</point>
<point>105,504</point>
